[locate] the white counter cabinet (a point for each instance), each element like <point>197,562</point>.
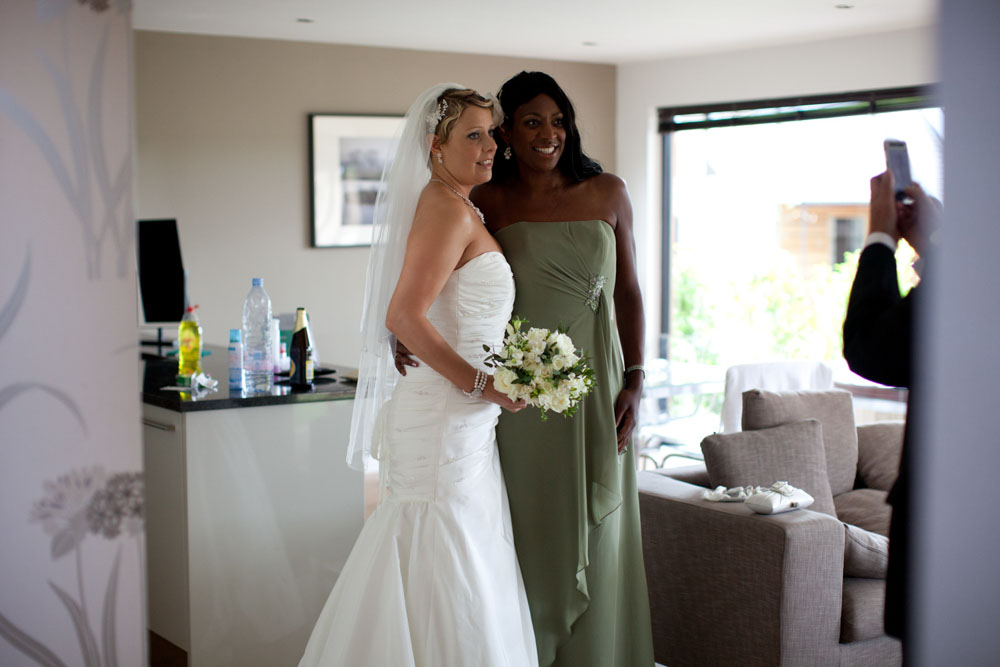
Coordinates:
<point>251,513</point>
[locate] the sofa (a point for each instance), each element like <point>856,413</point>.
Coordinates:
<point>804,587</point>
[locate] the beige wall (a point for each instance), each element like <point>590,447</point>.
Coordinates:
<point>221,146</point>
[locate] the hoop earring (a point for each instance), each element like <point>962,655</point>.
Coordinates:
<point>507,153</point>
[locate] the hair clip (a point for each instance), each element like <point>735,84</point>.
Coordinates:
<point>435,116</point>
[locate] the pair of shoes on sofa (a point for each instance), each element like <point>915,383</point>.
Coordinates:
<point>779,497</point>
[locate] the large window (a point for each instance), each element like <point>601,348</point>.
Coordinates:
<point>765,212</point>
<point>766,207</point>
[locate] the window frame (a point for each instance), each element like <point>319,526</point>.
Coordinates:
<point>756,112</point>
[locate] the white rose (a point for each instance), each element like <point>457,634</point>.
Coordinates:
<point>561,361</point>
<point>534,333</point>
<point>560,401</point>
<point>536,340</point>
<point>503,380</point>
<point>565,344</point>
<point>545,401</point>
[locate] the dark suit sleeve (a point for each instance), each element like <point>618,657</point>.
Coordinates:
<point>878,328</point>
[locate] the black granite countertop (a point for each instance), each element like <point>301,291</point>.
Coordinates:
<point>159,372</point>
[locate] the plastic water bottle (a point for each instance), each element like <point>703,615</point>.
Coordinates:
<point>257,363</point>
<point>235,360</point>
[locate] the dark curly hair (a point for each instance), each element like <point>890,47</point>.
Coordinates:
<point>524,87</point>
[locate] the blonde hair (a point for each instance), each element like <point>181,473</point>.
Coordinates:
<point>458,100</point>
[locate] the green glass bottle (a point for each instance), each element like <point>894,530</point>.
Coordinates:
<point>301,374</point>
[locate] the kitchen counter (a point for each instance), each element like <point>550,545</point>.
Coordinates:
<point>159,372</point>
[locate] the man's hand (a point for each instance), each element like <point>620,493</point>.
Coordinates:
<point>918,220</point>
<point>883,211</point>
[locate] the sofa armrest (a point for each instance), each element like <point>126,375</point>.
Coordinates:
<point>730,586</point>
<point>696,474</point>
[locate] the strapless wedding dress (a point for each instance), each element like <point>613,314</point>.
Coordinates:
<point>433,580</point>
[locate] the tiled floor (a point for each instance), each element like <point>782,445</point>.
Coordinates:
<point>164,654</point>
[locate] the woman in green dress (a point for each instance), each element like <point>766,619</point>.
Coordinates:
<point>566,231</point>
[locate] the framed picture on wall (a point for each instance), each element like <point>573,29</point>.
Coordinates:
<point>346,157</point>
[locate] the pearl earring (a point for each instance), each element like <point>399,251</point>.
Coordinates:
<point>507,153</point>
<point>439,159</point>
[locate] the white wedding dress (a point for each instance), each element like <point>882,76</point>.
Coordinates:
<point>433,579</point>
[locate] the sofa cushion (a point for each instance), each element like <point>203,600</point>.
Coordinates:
<point>791,452</point>
<point>865,508</point>
<point>861,616</point>
<point>879,448</point>
<point>866,554</point>
<point>834,410</point>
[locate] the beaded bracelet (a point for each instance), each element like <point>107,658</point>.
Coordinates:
<point>637,367</point>
<point>478,385</point>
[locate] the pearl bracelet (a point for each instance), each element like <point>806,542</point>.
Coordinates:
<point>478,385</point>
<point>637,367</point>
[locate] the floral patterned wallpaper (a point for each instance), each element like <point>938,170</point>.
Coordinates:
<point>71,486</point>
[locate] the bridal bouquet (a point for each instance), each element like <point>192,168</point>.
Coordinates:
<point>543,367</point>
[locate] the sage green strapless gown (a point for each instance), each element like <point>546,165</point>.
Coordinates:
<point>573,500</point>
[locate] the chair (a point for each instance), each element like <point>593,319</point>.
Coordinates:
<point>664,432</point>
<point>770,376</point>
<point>682,435</point>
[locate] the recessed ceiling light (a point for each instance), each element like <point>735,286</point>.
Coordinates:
<point>590,43</point>
<point>303,20</point>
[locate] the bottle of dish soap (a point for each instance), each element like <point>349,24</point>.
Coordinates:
<point>189,340</point>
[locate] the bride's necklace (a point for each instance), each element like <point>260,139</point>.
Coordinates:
<point>464,198</point>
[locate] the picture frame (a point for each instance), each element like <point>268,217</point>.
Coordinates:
<point>347,154</point>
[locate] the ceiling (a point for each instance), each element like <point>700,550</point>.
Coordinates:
<point>602,31</point>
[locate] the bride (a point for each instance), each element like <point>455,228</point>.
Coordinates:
<point>433,579</point>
